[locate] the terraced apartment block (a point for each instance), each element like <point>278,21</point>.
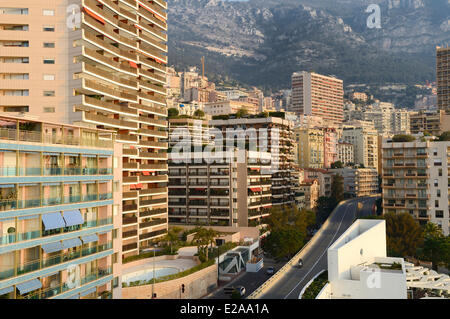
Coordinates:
<point>101,64</point>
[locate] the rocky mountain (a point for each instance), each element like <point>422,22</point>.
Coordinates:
<point>261,42</point>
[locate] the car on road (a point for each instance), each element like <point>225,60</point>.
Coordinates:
<point>270,271</point>
<point>241,290</point>
<point>300,263</point>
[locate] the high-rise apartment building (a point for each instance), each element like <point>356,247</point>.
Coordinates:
<point>443,77</point>
<point>365,145</point>
<point>318,95</point>
<point>310,147</point>
<point>433,122</point>
<point>416,180</point>
<point>102,63</point>
<point>59,202</point>
<point>346,152</point>
<point>273,135</point>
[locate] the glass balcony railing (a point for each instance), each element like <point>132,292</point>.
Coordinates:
<point>8,171</point>
<point>48,292</point>
<point>51,261</point>
<point>27,203</point>
<point>18,237</point>
<point>27,171</point>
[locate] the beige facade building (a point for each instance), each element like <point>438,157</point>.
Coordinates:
<point>346,153</point>
<point>229,107</point>
<point>101,63</point>
<point>415,180</point>
<point>359,182</point>
<point>311,191</point>
<point>443,77</point>
<point>310,147</point>
<point>433,122</point>
<point>365,144</point>
<point>318,95</point>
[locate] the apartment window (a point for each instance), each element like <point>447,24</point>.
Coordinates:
<point>438,193</point>
<point>15,60</point>
<point>49,93</point>
<point>19,109</point>
<point>436,203</point>
<point>48,12</point>
<point>439,214</point>
<point>438,162</point>
<point>435,152</point>
<point>49,110</point>
<point>436,183</point>
<point>49,77</point>
<point>17,76</point>
<point>116,282</point>
<point>49,61</point>
<point>14,11</point>
<point>48,28</point>
<point>49,44</point>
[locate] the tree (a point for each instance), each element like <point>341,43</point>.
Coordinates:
<point>445,136</point>
<point>172,112</point>
<point>172,236</point>
<point>199,113</point>
<point>325,206</point>
<point>403,138</point>
<point>201,238</point>
<point>337,164</point>
<point>211,234</point>
<point>337,189</point>
<point>287,227</point>
<point>435,246</point>
<point>241,112</point>
<point>404,234</point>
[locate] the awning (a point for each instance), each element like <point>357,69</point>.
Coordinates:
<point>255,168</point>
<point>200,189</point>
<point>146,173</point>
<point>92,14</point>
<point>133,65</point>
<point>52,154</point>
<point>87,292</point>
<point>73,217</point>
<point>89,238</point>
<point>256,189</point>
<point>28,217</point>
<point>89,155</point>
<point>53,221</point>
<point>139,185</point>
<point>7,290</point>
<point>69,243</point>
<point>29,286</point>
<point>133,186</point>
<point>52,247</point>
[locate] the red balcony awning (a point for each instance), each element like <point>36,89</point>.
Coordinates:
<point>138,185</point>
<point>256,189</point>
<point>92,14</point>
<point>133,65</point>
<point>255,168</point>
<point>146,173</point>
<point>133,186</point>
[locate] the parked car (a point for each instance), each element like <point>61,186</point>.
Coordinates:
<point>270,271</point>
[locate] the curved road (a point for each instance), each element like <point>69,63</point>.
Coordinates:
<point>292,282</point>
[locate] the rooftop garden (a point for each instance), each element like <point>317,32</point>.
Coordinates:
<point>316,286</point>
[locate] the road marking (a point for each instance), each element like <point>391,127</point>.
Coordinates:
<point>337,231</point>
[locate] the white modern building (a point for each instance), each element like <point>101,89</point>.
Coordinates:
<point>358,266</point>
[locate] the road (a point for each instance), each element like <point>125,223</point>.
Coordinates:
<point>291,284</point>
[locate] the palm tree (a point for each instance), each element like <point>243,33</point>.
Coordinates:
<point>172,236</point>
<point>211,234</point>
<point>201,239</point>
